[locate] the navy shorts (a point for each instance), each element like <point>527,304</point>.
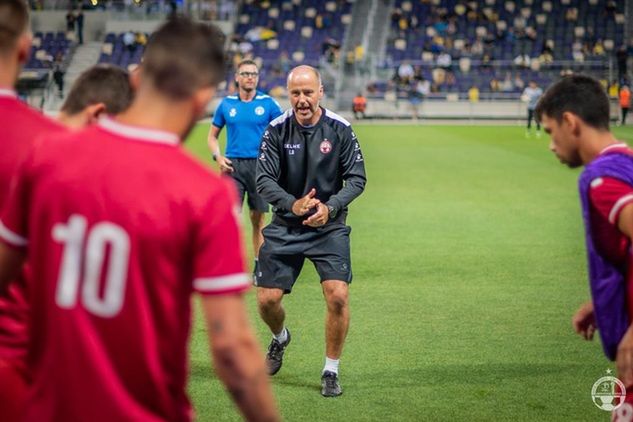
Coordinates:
<point>285,249</point>
<point>244,177</point>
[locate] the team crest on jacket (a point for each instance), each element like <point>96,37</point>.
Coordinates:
<point>325,146</point>
<point>259,110</point>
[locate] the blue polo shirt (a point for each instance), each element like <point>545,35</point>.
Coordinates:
<point>245,123</point>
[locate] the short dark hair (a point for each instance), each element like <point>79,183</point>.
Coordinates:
<point>246,62</point>
<point>183,56</point>
<point>102,83</point>
<point>14,21</point>
<point>578,94</point>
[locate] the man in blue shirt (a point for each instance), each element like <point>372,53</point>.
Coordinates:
<point>246,116</point>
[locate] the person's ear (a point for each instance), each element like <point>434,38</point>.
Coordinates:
<point>93,112</point>
<point>201,99</point>
<point>571,122</point>
<point>24,47</point>
<point>135,77</point>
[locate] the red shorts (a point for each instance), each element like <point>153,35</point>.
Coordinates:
<point>14,383</point>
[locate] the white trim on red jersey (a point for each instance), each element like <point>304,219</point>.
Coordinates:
<point>614,146</point>
<point>617,207</point>
<point>8,93</point>
<point>226,282</point>
<point>12,237</point>
<point>138,133</point>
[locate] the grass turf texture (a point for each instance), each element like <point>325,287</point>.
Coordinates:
<point>468,264</point>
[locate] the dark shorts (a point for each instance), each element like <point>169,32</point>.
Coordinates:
<point>285,248</point>
<point>244,177</point>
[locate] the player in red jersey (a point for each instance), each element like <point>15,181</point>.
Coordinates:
<point>121,226</point>
<point>99,89</point>
<point>20,126</point>
<point>575,113</point>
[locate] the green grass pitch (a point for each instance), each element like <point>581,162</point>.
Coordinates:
<point>468,264</point>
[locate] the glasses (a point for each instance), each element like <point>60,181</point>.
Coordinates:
<point>248,74</point>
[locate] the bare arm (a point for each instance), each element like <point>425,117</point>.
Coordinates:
<point>238,360</point>
<point>11,261</point>
<point>624,359</point>
<point>214,146</point>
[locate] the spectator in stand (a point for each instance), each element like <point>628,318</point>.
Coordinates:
<point>405,72</point>
<point>439,76</point>
<point>437,45</point>
<point>547,54</point>
<point>396,15</point>
<point>494,85</point>
<point>318,21</point>
<point>245,47</point>
<point>359,56</point>
<point>70,20</point>
<point>519,84</point>
<point>614,90</point>
<point>473,94</point>
<point>610,8</point>
<point>359,105</point>
<point>79,18</point>
<point>622,57</point>
<point>129,41</point>
<point>571,14</point>
<point>58,73</point>
<point>444,60</point>
<point>577,52</point>
<point>330,50</point>
<point>522,60</point>
<point>327,20</point>
<point>451,82</point>
<point>507,85</point>
<point>441,27</point>
<point>283,64</point>
<point>486,61</point>
<point>417,73</point>
<point>140,39</point>
<point>598,48</point>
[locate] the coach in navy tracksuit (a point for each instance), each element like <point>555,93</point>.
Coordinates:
<point>310,168</point>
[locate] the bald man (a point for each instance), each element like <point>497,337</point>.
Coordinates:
<point>310,168</point>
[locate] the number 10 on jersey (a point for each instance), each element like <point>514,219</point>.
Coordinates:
<point>87,249</point>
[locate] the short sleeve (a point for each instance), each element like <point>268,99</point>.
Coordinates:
<point>275,109</point>
<point>14,215</point>
<point>609,196</point>
<point>218,116</point>
<point>219,265</point>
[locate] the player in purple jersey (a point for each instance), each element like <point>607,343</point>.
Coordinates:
<point>575,113</point>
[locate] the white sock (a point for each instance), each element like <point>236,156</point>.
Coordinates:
<point>331,365</point>
<point>281,337</point>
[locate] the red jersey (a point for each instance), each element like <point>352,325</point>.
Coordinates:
<point>608,198</point>
<point>122,225</point>
<point>21,125</point>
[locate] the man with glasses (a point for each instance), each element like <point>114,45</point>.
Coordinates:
<point>246,116</point>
